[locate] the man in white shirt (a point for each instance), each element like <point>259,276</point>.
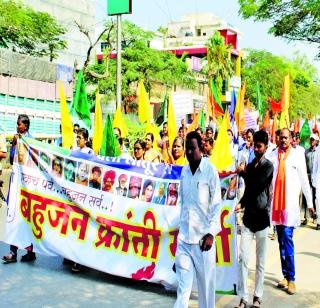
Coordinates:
<point>289,177</point>
<point>199,224</point>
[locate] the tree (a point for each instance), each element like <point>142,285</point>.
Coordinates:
<point>269,70</point>
<point>292,19</point>
<point>29,32</point>
<point>139,61</point>
<point>220,66</point>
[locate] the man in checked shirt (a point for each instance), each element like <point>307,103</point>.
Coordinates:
<point>199,224</point>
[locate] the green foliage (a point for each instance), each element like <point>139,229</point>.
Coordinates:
<point>269,70</point>
<point>220,66</point>
<point>292,19</point>
<point>139,61</point>
<point>29,32</point>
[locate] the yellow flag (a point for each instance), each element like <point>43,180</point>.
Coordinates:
<point>195,123</point>
<point>284,119</point>
<point>119,122</point>
<point>172,125</point>
<point>144,111</point>
<point>98,126</point>
<point>222,156</point>
<point>239,112</point>
<point>286,92</point>
<point>66,121</point>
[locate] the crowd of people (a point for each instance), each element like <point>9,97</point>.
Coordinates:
<point>279,181</point>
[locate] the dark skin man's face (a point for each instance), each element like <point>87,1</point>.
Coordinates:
<point>193,152</point>
<point>259,149</point>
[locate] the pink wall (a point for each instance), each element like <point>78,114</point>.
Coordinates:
<point>33,89</point>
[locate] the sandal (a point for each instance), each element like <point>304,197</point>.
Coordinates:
<point>242,304</point>
<point>10,258</point>
<point>28,257</point>
<point>256,302</point>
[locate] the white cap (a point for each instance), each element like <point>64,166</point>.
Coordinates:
<point>314,136</point>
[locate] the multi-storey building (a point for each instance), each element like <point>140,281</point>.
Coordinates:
<point>189,36</point>
<point>31,85</point>
<point>67,12</point>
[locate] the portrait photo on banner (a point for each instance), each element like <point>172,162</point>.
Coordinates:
<point>134,187</point>
<point>44,162</point>
<point>57,166</point>
<point>108,180</point>
<point>147,190</point>
<point>70,170</point>
<point>82,177</point>
<point>122,188</point>
<point>172,194</point>
<point>95,177</point>
<point>160,194</point>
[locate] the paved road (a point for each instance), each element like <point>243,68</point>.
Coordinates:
<point>49,283</point>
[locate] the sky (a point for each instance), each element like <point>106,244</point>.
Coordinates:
<point>151,14</point>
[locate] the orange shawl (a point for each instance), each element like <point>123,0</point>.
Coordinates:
<point>279,197</point>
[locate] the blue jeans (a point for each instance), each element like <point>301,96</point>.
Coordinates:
<point>286,247</point>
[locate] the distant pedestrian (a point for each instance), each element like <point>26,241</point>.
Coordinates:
<point>310,154</point>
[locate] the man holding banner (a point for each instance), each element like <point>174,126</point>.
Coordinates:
<point>23,124</point>
<point>199,224</point>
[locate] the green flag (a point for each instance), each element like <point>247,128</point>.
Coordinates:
<point>163,112</point>
<point>305,134</point>
<point>202,122</point>
<point>80,100</point>
<point>259,102</point>
<point>110,144</point>
<point>215,94</point>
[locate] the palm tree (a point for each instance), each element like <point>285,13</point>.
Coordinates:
<point>220,66</point>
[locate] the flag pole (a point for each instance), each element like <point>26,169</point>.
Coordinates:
<point>118,91</point>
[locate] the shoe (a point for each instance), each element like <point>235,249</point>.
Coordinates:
<point>28,257</point>
<point>304,222</point>
<point>242,304</point>
<point>318,227</point>
<point>282,284</point>
<point>291,288</point>
<point>10,258</point>
<point>76,268</point>
<point>256,302</point>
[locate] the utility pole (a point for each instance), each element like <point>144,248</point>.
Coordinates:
<point>119,7</point>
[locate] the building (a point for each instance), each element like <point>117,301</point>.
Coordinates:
<point>31,85</point>
<point>190,35</point>
<point>67,12</point>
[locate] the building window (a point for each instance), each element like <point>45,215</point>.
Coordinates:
<point>204,34</point>
<point>198,31</point>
